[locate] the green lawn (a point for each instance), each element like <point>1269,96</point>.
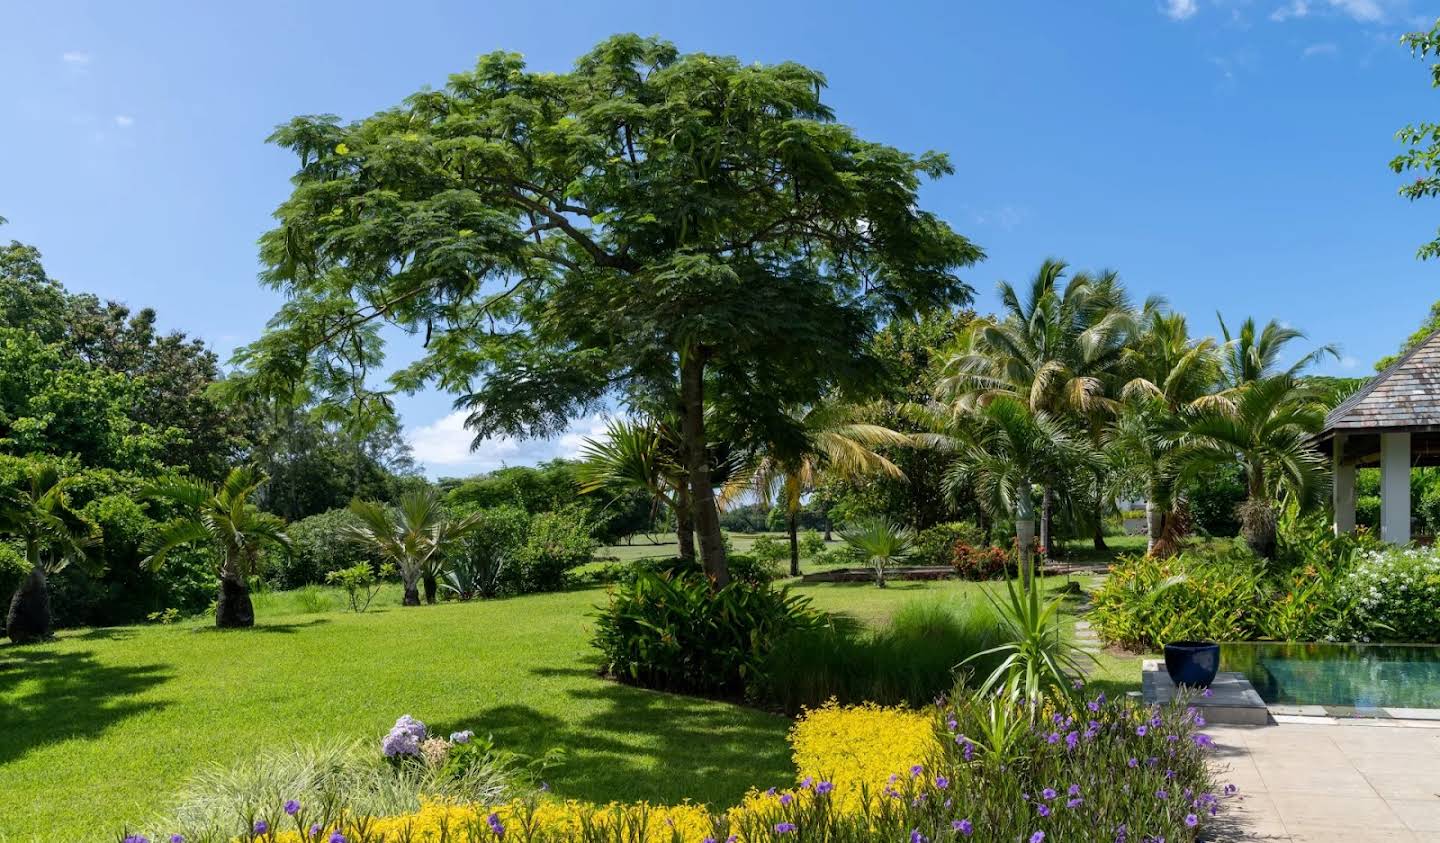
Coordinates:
<point>103,725</point>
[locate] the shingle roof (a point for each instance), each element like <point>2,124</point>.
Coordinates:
<point>1407,394</point>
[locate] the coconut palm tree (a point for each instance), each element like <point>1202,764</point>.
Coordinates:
<point>1266,425</point>
<point>415,535</point>
<point>1058,350</point>
<point>36,510</point>
<point>1251,355</point>
<point>829,438</point>
<point>1003,450</point>
<point>224,518</point>
<point>883,542</point>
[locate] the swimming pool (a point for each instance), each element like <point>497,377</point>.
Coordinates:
<point>1360,676</point>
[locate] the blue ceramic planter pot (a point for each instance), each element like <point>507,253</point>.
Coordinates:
<point>1192,663</point>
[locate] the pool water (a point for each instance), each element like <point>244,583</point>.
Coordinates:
<point>1364,676</point>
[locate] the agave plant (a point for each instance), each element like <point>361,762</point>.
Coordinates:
<point>1039,662</point>
<point>884,543</point>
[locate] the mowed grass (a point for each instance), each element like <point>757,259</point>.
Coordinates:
<point>104,726</point>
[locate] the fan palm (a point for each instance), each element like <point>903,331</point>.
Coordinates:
<point>883,542</point>
<point>1266,425</point>
<point>414,536</point>
<point>830,439</point>
<point>224,518</point>
<point>35,509</point>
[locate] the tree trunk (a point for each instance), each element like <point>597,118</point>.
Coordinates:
<point>1047,520</point>
<point>702,493</point>
<point>1025,533</point>
<point>1152,525</point>
<point>29,617</point>
<point>412,591</point>
<point>233,609</point>
<point>684,521</point>
<point>431,587</point>
<point>791,527</point>
<point>829,528</point>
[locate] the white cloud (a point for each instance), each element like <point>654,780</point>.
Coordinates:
<point>1006,217</point>
<point>124,121</point>
<point>443,446</point>
<point>1180,9</point>
<point>1365,11</point>
<point>76,58</point>
<point>1294,9</point>
<point>1349,363</point>
<point>1322,49</point>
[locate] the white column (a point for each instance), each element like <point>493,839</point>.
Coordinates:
<point>1395,488</point>
<point>1343,490</point>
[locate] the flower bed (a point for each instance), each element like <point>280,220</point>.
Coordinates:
<point>983,769</point>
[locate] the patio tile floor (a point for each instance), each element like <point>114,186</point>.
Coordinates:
<point>1330,780</point>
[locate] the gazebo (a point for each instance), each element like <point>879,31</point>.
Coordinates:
<point>1392,422</point>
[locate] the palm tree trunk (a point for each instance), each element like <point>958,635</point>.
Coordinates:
<point>412,591</point>
<point>791,522</point>
<point>702,492</point>
<point>1152,524</point>
<point>684,521</point>
<point>1025,533</point>
<point>1047,519</point>
<point>29,618</point>
<point>431,587</point>
<point>1098,538</point>
<point>233,609</point>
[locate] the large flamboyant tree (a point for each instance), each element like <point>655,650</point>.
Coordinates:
<point>648,225</point>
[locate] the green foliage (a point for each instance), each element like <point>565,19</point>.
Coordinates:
<point>753,570</point>
<point>13,567</point>
<point>911,660</point>
<point>936,545</point>
<point>360,582</point>
<point>981,562</point>
<point>480,565</point>
<point>769,549</point>
<point>812,543</point>
<point>318,547</point>
<point>676,633</point>
<point>1422,155</point>
<point>555,544</point>
<point>1214,498</point>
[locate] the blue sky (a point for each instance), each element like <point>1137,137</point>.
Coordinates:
<point>1230,154</point>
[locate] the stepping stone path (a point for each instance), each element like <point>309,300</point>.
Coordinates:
<point>1087,640</point>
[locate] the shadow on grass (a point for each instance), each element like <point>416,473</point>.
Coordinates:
<point>282,628</point>
<point>47,697</point>
<point>646,745</point>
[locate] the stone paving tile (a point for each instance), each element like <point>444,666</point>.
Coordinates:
<point>1352,812</point>
<point>1418,814</point>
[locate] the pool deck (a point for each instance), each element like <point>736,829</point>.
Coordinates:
<point>1329,779</point>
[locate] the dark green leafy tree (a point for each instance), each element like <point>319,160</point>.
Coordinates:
<point>1422,140</point>
<point>648,227</point>
<point>35,510</point>
<point>226,520</point>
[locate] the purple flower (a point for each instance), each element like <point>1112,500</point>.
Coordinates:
<point>967,750</point>
<point>1037,837</point>
<point>1053,737</point>
<point>495,825</point>
<point>315,829</point>
<point>786,799</point>
<point>1207,693</point>
<point>1048,793</point>
<point>337,837</point>
<point>916,770</point>
<point>404,738</point>
<point>1133,763</point>
<point>965,827</point>
<point>784,828</point>
<point>292,807</point>
<point>1042,809</point>
<point>807,782</point>
<point>917,837</point>
<point>1202,740</point>
<point>136,838</point>
<point>1141,730</point>
<point>177,838</point>
<point>260,827</point>
<point>1074,803</point>
<point>1199,720</point>
<point>462,737</point>
<point>1191,820</point>
<point>1074,790</point>
<point>824,788</point>
<point>1093,705</point>
<point>1072,740</point>
<point>1162,794</point>
<point>1230,790</point>
<point>941,782</point>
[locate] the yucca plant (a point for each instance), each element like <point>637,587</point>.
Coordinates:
<point>223,518</point>
<point>883,542</point>
<point>1038,661</point>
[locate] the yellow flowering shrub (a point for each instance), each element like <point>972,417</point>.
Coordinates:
<point>858,748</point>
<point>855,750</point>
